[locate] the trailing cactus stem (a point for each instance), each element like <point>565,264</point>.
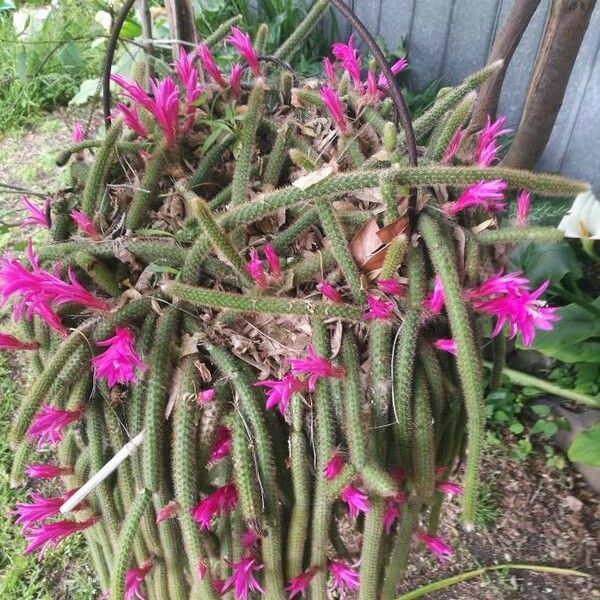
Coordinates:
<point>279,154</point>
<point>295,41</point>
<point>370,558</point>
<point>513,235</point>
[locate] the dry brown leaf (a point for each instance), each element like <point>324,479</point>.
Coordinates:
<point>366,242</point>
<point>393,230</point>
<point>310,179</point>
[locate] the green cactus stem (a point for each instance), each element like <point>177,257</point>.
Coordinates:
<point>371,553</point>
<point>279,154</point>
<point>218,35</point>
<point>96,181</point>
<point>209,161</point>
<point>513,235</point>
<point>467,357</point>
<point>99,273</point>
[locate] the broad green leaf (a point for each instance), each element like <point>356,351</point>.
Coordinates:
<point>87,90</point>
<point>545,261</point>
<point>586,447</point>
<point>70,55</point>
<point>130,30</point>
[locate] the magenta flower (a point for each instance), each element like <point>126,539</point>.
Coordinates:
<point>222,444</point>
<point>356,500</point>
<point>50,535</point>
<point>37,216</point>
<point>435,300</point>
<point>255,268</point>
<point>523,206</point>
<point>488,155</point>
<point>166,107</point>
<point>315,367</point>
<point>445,344</point>
<point>220,503</point>
<point>188,75</point>
<point>379,308</point>
<point>218,586</point>
<point>134,579</point>
<point>249,539</point>
<point>206,396</point>
<point>201,569</point>
<point>329,70</point>
<point>334,466</point>
<point>280,392</point>
<point>77,135</point>
<point>243,43</point>
<point>60,292</point>
<point>45,471</point>
<point>453,145</point>
<point>511,283</point>
<point>235,79</point>
<point>49,424</point>
<point>209,65</point>
<point>489,195</point>
<point>329,291</point>
<point>396,68</point>
<point>272,260</point>
<point>242,580</point>
<point>335,107</point>
<point>489,135</point>
<point>118,363</point>
<point>134,91</point>
<point>392,510</point>
<point>299,584</point>
<point>85,224</point>
<point>168,511</point>
<point>371,90</point>
<point>392,287</point>
<point>349,58</point>
<point>131,118</point>
<point>10,342</point>
<point>39,509</point>
<point>344,577</point>
<point>449,488</point>
<point>440,549</point>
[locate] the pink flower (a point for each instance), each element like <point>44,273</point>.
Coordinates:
<point>60,292</point>
<point>134,579</point>
<point>168,511</point>
<point>523,206</point>
<point>349,58</point>
<point>272,260</point>
<point>378,308</point>
<point>49,535</point>
<point>372,93</point>
<point>242,580</point>
<point>166,107</point>
<point>44,471</point>
<point>488,155</point>
<point>345,577</point>
<point>201,569</point>
<point>134,91</point>
<point>453,145</point>
<point>397,67</point>
<point>334,467</point>
<point>249,539</point>
<point>10,342</point>
<point>329,70</point>
<point>329,291</point>
<point>392,287</point>
<point>299,584</point>
<point>235,79</point>
<point>188,75</point>
<point>281,391</point>
<point>356,500</point>
<point>131,118</point>
<point>85,224</point>
<point>487,194</point>
<point>77,135</point>
<point>522,311</point>
<point>315,367</point>
<point>335,107</point>
<point>440,549</point>
<point>220,503</point>
<point>445,344</point>
<point>218,586</point>
<point>255,268</point>
<point>209,65</point>
<point>243,43</point>
<point>488,136</point>
<point>435,301</point>
<point>447,487</point>
<point>118,363</point>
<point>222,444</point>
<point>37,216</point>
<point>512,283</point>
<point>39,509</point>
<point>392,510</point>
<point>50,422</point>
<point>206,396</point>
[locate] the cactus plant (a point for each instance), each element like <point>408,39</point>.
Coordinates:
<point>186,352</point>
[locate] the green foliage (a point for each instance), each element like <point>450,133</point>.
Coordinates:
<point>586,447</point>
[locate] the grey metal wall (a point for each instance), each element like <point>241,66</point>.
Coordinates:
<point>448,39</point>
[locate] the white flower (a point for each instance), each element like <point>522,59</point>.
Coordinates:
<point>583,219</point>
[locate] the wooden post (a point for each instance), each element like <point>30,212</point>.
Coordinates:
<point>565,28</point>
<point>180,14</point>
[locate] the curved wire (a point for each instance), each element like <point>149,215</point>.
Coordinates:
<point>393,90</point>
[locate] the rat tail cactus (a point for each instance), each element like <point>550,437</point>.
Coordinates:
<point>258,353</point>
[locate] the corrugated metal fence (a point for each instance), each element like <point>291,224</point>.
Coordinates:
<point>448,39</point>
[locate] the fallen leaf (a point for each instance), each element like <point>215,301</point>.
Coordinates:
<point>307,181</point>
<point>393,230</point>
<point>366,242</point>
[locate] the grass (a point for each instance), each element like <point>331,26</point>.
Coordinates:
<point>64,574</point>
